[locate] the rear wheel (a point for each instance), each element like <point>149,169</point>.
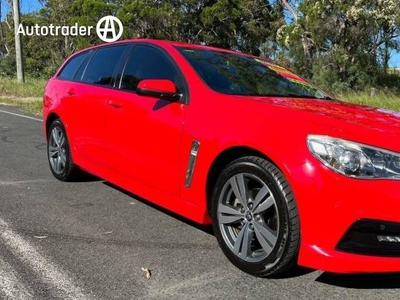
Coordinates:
<point>255,217</point>
<point>59,154</point>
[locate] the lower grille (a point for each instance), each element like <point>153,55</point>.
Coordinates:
<point>372,237</point>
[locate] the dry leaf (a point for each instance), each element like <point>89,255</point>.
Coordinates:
<point>148,273</point>
<point>41,236</point>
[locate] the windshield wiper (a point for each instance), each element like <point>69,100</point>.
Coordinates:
<point>288,95</point>
<point>303,96</point>
<point>307,96</point>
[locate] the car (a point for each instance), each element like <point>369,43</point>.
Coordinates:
<point>286,174</point>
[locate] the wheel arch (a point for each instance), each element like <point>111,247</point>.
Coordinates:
<point>50,119</point>
<point>222,160</point>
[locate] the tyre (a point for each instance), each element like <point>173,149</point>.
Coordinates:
<point>255,217</point>
<point>59,154</point>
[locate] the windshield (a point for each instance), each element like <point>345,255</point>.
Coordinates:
<point>237,74</point>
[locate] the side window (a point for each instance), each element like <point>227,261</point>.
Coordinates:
<point>68,72</point>
<point>102,65</point>
<point>148,63</point>
<point>82,68</point>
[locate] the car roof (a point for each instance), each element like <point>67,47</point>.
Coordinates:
<point>166,42</point>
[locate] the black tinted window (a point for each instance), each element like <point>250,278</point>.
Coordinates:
<point>68,72</point>
<point>82,68</point>
<point>102,65</point>
<point>148,63</point>
<point>237,74</point>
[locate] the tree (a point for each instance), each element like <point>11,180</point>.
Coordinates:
<point>354,38</point>
<point>298,29</point>
<point>234,24</point>
<point>4,48</point>
<point>240,25</point>
<point>151,19</point>
<point>88,13</point>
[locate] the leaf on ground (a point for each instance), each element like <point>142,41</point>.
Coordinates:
<point>40,237</point>
<point>148,272</point>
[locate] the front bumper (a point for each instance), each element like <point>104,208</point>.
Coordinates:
<point>336,213</point>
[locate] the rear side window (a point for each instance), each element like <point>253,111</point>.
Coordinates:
<point>101,67</point>
<point>69,71</point>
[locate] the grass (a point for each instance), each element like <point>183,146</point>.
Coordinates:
<point>380,99</point>
<point>28,96</point>
<point>31,88</point>
<point>33,107</point>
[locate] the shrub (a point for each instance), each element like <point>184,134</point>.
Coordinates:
<point>7,66</point>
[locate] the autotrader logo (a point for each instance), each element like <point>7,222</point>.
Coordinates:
<point>106,29</point>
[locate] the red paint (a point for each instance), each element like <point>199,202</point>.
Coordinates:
<point>158,85</point>
<point>123,138</point>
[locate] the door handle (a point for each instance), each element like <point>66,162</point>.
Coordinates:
<point>71,92</point>
<point>114,104</point>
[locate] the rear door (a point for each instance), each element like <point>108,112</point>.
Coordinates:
<point>144,133</point>
<point>86,101</point>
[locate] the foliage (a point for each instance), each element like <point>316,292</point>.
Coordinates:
<point>341,45</point>
<point>151,19</point>
<point>239,25</point>
<point>349,41</point>
<point>7,66</point>
<point>389,82</point>
<point>235,24</point>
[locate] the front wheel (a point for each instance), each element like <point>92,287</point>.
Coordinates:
<point>255,217</point>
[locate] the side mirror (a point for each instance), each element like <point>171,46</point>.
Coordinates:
<point>158,88</point>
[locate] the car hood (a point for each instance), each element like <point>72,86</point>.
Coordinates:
<point>377,119</point>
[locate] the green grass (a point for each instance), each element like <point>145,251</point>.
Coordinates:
<point>31,88</point>
<point>33,107</point>
<point>28,95</point>
<point>381,99</point>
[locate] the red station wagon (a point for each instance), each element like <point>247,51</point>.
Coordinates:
<point>285,174</point>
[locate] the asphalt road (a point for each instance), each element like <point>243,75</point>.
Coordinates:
<point>89,240</point>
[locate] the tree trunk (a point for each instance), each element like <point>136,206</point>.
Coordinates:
<point>307,67</point>
<point>386,57</point>
<point>2,37</point>
<point>307,56</point>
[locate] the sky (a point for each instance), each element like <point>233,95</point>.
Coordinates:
<point>395,60</point>
<point>28,6</point>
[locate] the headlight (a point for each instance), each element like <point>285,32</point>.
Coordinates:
<point>354,159</point>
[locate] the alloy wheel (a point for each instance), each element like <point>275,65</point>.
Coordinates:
<point>57,150</point>
<point>248,218</point>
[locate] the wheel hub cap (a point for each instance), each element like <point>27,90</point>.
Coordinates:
<point>249,216</point>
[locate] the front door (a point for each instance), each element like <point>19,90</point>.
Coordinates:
<point>144,133</point>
